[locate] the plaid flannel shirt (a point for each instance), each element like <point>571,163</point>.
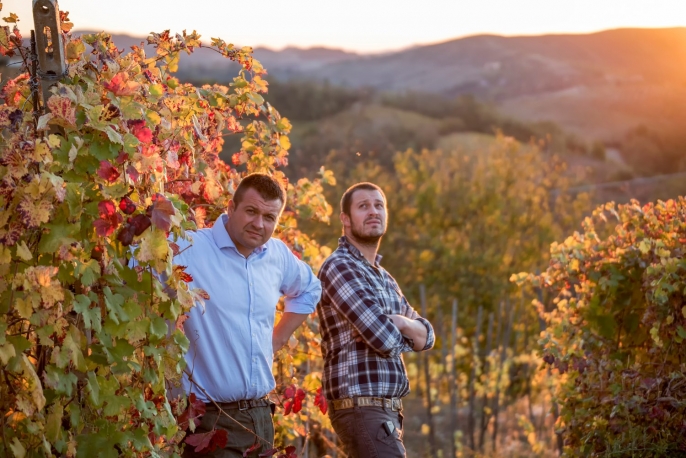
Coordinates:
<point>356,301</point>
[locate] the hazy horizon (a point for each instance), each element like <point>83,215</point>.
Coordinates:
<point>361,26</point>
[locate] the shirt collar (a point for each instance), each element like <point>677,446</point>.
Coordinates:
<point>222,237</point>
<point>344,243</point>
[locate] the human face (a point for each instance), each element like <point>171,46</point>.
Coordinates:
<point>366,223</point>
<point>252,222</point>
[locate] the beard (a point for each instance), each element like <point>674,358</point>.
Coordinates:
<point>367,239</point>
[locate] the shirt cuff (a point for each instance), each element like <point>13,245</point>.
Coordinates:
<point>430,336</point>
<point>303,304</point>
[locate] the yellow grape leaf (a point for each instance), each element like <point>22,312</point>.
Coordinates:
<point>11,18</point>
<point>172,61</point>
<point>5,255</point>
<point>284,142</point>
<point>7,351</point>
<point>23,251</point>
<point>54,141</point>
<point>34,383</point>
<point>153,246</point>
<point>24,307</point>
<point>43,121</point>
<point>74,49</point>
<point>18,449</point>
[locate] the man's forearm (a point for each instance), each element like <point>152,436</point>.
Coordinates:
<point>287,325</point>
<point>412,329</point>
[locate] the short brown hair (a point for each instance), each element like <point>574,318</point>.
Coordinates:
<point>347,198</point>
<point>265,185</point>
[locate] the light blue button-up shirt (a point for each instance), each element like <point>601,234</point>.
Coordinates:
<point>230,352</point>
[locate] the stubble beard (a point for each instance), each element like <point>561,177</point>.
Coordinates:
<point>368,240</point>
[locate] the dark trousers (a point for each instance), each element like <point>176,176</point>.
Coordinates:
<point>365,432</point>
<point>257,420</point>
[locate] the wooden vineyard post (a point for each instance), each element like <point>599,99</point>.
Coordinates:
<point>503,353</point>
<point>427,380</point>
<point>49,45</point>
<point>486,369</point>
<point>454,390</point>
<point>472,380</point>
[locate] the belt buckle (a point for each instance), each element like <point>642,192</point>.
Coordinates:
<point>395,404</point>
<point>243,405</point>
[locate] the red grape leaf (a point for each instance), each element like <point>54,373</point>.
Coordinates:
<point>62,110</point>
<point>196,409</point>
<point>109,220</point>
<point>289,392</point>
<point>320,401</point>
<point>140,131</point>
<point>297,405</point>
<point>107,171</point>
<point>268,453</point>
<point>132,172</point>
<point>180,271</point>
<point>121,86</point>
<point>288,405</point>
<point>254,447</point>
<point>162,211</point>
<point>210,441</point>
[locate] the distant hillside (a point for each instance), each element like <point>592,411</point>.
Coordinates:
<point>489,66</point>
<point>504,67</point>
<point>598,85</point>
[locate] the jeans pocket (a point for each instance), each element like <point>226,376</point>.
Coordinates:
<point>387,433</point>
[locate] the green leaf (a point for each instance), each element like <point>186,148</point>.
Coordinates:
<point>114,405</point>
<point>91,316</point>
<point>88,271</point>
<point>58,234</point>
<point>158,327</point>
<point>20,343</point>
<point>130,143</point>
<point>93,386</point>
<point>682,332</point>
<point>72,344</point>
<point>74,199</point>
<point>140,438</point>
<point>100,445</point>
<point>53,424</point>
<point>114,304</point>
<point>63,383</point>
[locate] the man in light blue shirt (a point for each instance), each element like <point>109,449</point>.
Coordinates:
<point>232,342</point>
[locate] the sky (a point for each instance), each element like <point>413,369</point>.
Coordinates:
<point>366,26</point>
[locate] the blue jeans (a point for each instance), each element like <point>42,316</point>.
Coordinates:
<point>369,432</point>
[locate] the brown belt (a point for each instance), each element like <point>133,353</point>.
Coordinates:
<point>395,404</point>
<point>243,404</point>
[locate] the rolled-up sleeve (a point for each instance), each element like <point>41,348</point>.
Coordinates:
<point>300,286</point>
<point>352,297</point>
<point>411,313</point>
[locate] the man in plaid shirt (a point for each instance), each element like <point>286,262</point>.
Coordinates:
<point>366,324</point>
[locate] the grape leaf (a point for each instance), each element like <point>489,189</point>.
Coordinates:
<point>190,418</point>
<point>121,86</point>
<point>209,441</point>
<point>162,211</point>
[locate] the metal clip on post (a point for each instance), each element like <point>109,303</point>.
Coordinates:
<point>50,46</point>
